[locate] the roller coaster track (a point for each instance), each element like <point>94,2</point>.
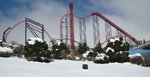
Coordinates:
<point>125,34</point>
<point>6,32</point>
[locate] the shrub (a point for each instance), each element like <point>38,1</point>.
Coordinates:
<point>56,53</point>
<point>60,51</point>
<point>117,50</point>
<point>82,48</point>
<point>37,52</point>
<point>6,52</point>
<point>18,51</point>
<point>136,60</point>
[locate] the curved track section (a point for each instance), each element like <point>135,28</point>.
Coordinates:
<point>18,24</point>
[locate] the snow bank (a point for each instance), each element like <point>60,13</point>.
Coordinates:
<point>5,49</point>
<point>33,40</point>
<point>15,67</point>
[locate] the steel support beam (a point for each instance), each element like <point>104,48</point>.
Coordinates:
<point>117,27</point>
<point>71,25</point>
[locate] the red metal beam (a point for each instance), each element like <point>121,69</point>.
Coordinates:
<point>71,25</point>
<point>5,32</point>
<point>117,27</point>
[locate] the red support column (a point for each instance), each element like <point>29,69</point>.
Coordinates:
<point>71,25</point>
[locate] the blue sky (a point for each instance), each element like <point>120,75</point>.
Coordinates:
<point>81,7</point>
<point>131,15</point>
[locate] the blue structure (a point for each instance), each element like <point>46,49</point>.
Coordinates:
<point>138,51</point>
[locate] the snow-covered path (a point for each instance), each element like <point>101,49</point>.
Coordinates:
<point>15,67</point>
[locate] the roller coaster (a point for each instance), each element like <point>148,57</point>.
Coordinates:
<point>67,29</point>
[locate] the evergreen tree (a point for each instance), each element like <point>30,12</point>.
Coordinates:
<point>56,54</point>
<point>63,49</point>
<point>18,51</point>
<point>99,55</point>
<point>98,49</point>
<point>1,43</point>
<point>120,51</point>
<point>83,48</point>
<point>59,51</point>
<point>37,52</point>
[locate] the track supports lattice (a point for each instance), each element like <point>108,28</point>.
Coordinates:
<point>108,31</point>
<point>96,31</point>
<point>82,30</point>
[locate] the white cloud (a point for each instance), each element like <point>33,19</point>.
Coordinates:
<point>131,15</point>
<point>45,12</point>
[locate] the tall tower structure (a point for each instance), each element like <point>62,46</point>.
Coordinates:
<point>71,24</point>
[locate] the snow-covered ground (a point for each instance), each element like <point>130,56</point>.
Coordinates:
<point>15,67</point>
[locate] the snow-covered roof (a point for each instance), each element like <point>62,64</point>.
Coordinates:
<point>33,40</point>
<point>109,48</point>
<point>5,49</point>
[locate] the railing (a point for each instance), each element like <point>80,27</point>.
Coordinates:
<point>140,46</point>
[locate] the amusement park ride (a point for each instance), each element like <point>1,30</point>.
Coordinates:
<point>67,31</point>
<point>96,31</point>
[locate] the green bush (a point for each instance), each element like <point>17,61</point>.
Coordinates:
<point>18,51</point>
<point>120,51</point>
<point>60,51</point>
<point>37,52</point>
<point>82,48</point>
